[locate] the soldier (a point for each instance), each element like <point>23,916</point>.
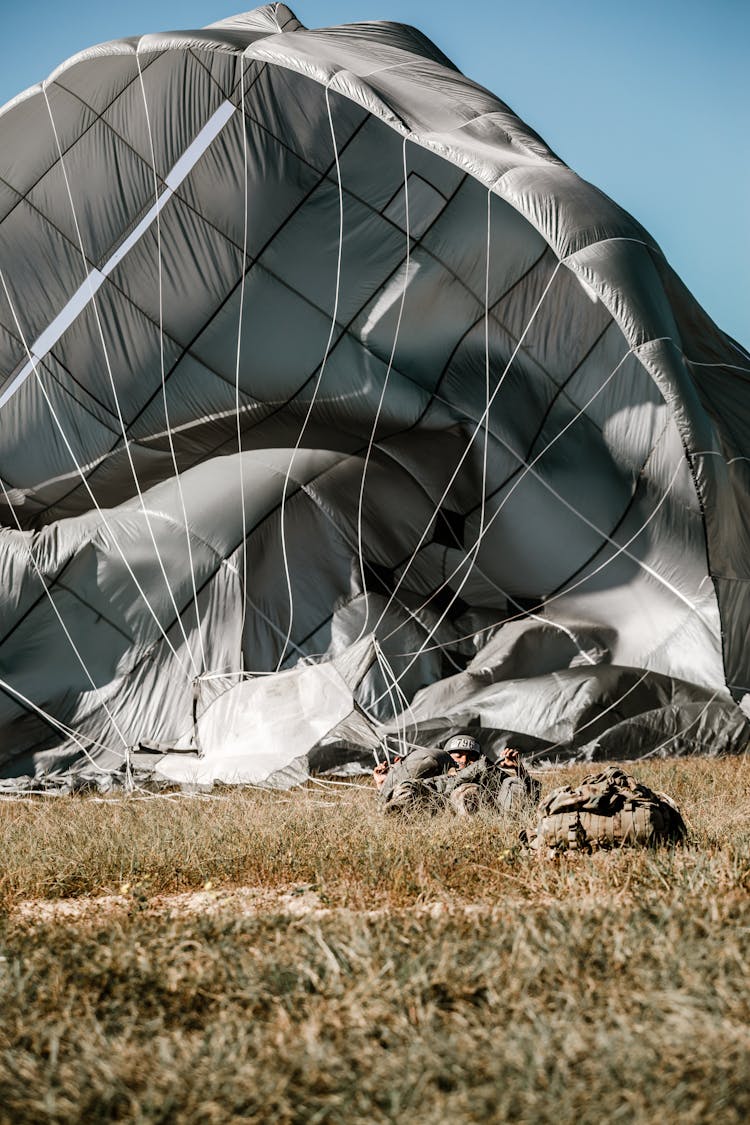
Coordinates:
<point>408,783</point>
<point>504,785</point>
<point>458,777</point>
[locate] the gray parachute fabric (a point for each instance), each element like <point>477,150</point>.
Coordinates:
<point>307,338</point>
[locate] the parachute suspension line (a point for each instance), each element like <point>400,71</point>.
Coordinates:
<point>406,707</point>
<point>121,420</point>
<point>373,431</point>
<point>160,272</point>
<point>316,387</point>
<point>471,556</point>
<point>620,549</point>
<point>34,363</point>
<point>60,726</point>
<point>527,469</point>
<point>679,733</point>
<point>484,421</point>
<point>465,454</point>
<point>237,362</point>
<point>600,715</point>
<point>56,611</point>
<point>586,577</point>
<point>391,686</point>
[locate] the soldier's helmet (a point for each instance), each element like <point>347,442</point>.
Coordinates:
<point>463,744</point>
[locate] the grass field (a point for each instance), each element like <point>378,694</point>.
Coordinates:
<point>298,957</point>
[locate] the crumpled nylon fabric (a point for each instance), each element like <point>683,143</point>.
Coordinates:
<point>569,562</point>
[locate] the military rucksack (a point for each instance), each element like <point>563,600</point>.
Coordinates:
<point>607,810</point>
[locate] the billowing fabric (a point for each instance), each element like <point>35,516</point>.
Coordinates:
<point>407,365</point>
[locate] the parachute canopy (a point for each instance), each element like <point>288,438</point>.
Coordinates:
<point>306,338</point>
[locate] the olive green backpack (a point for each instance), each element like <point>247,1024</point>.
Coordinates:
<point>607,810</point>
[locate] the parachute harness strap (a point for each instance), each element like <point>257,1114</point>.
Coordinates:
<point>173,455</point>
<point>318,381</point>
<point>121,420</point>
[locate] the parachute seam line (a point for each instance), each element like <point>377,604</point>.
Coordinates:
<point>191,565</point>
<point>226,94</point>
<point>399,189</point>
<point>93,498</point>
<point>391,358</point>
<point>639,481</point>
<point>65,629</point>
<point>559,393</point>
<point>529,468</point>
<point>472,554</point>
<point>61,728</point>
<point>79,402</point>
<point>58,583</point>
<point>465,454</point>
<point>69,393</point>
<point>114,391</point>
<point>186,348</point>
<point>547,601</point>
<point>237,365</point>
<point>224,560</point>
<point>611,238</point>
<point>680,733</point>
<point>318,381</point>
<point>132,303</point>
<point>433,395</point>
<point>649,570</point>
<point>592,574</point>
<point>590,722</point>
<point>97,117</point>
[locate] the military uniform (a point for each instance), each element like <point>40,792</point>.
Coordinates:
<point>410,783</point>
<point>428,780</point>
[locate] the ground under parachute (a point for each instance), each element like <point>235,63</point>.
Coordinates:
<point>316,356</point>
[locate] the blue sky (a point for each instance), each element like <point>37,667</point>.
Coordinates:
<point>647,99</point>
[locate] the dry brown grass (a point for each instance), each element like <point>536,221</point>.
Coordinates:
<point>371,970</point>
